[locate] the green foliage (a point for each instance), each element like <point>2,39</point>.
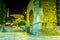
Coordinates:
<point>22,23</point>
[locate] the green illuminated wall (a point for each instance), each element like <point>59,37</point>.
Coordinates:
<point>58,10</point>
<point>2,12</point>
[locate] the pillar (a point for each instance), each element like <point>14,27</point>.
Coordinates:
<point>36,27</point>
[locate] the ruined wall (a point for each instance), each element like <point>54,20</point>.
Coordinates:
<point>29,8</point>
<point>49,13</point>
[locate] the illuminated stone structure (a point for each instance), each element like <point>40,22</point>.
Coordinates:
<point>29,9</point>
<point>44,11</point>
<point>33,16</point>
<point>49,11</point>
<point>18,17</point>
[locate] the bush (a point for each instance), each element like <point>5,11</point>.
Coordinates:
<point>22,23</point>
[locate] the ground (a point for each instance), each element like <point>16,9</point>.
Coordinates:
<point>25,36</point>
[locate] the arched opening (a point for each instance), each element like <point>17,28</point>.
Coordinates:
<point>31,17</point>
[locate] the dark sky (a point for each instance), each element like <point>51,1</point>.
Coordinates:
<point>16,6</point>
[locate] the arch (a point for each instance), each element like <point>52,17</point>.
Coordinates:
<point>31,17</point>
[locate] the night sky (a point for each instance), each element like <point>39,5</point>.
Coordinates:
<point>16,6</point>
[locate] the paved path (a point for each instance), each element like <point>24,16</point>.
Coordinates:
<point>25,36</point>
